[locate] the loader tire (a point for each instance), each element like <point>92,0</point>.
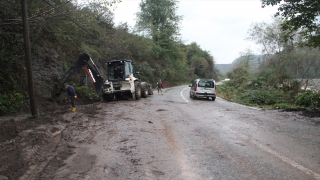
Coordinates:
<point>137,90</point>
<point>144,90</point>
<point>119,96</point>
<point>108,97</point>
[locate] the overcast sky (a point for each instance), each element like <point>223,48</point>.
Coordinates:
<point>217,26</point>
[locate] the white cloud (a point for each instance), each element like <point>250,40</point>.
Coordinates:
<point>218,26</point>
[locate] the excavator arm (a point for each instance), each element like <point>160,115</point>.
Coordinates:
<point>92,71</point>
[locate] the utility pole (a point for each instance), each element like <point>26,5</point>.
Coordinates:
<point>28,57</point>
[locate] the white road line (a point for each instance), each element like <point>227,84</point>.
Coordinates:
<point>183,96</point>
<point>289,161</point>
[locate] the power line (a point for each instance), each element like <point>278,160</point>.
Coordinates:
<point>70,18</point>
<point>91,34</point>
<point>34,18</point>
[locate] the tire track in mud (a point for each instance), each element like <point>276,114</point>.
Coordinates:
<point>166,126</point>
<point>147,144</point>
<point>84,130</point>
<point>62,139</point>
<point>44,151</point>
<point>143,147</point>
<point>180,156</point>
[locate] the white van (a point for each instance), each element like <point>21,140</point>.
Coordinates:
<point>203,88</point>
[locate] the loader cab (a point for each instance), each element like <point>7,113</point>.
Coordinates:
<point>119,70</point>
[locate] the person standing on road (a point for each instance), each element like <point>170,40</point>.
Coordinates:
<point>157,87</point>
<point>160,87</point>
<point>72,94</point>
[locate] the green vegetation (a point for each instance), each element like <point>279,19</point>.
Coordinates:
<point>61,31</point>
<point>300,17</point>
<point>308,99</point>
<point>87,92</point>
<point>281,78</point>
<point>12,102</point>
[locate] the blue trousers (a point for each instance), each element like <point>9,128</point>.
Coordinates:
<point>72,99</point>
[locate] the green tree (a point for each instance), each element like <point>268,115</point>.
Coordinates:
<point>159,19</point>
<point>241,74</point>
<point>269,36</point>
<point>299,15</point>
<point>105,3</point>
<point>201,63</point>
<point>286,62</point>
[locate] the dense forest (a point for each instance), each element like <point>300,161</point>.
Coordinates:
<point>61,30</point>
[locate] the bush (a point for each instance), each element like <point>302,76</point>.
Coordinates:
<point>86,92</point>
<point>308,99</point>
<point>262,97</point>
<point>281,106</point>
<point>11,103</point>
<point>226,92</point>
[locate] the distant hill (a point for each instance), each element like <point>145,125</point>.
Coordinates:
<point>254,62</point>
<point>224,68</point>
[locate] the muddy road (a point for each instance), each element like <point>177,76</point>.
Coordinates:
<point>166,136</point>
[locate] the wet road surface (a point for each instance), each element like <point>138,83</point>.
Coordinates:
<point>171,136</point>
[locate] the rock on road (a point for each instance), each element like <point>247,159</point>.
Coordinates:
<point>171,136</point>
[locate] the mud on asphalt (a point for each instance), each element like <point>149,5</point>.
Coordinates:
<point>36,148</point>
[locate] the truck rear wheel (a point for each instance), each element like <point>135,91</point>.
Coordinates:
<point>137,90</point>
<point>144,90</point>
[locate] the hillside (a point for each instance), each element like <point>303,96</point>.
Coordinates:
<point>254,62</point>
<point>224,68</point>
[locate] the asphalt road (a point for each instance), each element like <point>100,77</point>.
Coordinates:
<point>171,136</point>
